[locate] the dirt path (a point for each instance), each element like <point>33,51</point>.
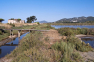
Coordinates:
<point>51,37</point>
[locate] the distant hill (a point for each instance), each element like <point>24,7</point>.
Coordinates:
<point>76,19</point>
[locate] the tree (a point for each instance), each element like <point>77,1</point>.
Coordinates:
<point>1,19</point>
<point>18,19</point>
<point>31,19</point>
<point>12,19</point>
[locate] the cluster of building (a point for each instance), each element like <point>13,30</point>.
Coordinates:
<point>15,21</point>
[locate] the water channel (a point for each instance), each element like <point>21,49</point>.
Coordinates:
<point>10,46</point>
<point>73,26</point>
<point>86,39</point>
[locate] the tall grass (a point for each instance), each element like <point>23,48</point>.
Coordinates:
<point>67,51</point>
<point>28,49</point>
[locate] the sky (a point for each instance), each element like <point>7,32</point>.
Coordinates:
<point>48,10</point>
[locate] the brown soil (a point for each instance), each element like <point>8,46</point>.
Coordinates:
<point>51,37</point>
<point>5,25</point>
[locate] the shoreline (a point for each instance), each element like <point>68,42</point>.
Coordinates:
<point>81,35</point>
<point>74,25</point>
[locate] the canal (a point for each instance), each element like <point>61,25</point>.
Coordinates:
<point>10,46</point>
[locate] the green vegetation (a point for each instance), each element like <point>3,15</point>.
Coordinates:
<point>29,49</point>
<point>19,19</point>
<point>12,19</point>
<point>80,46</point>
<point>3,34</point>
<point>1,19</point>
<point>68,53</point>
<point>13,25</point>
<point>6,33</point>
<point>70,32</point>
<point>42,27</point>
<point>32,48</point>
<point>71,23</point>
<point>74,31</point>
<point>31,19</point>
<point>37,23</point>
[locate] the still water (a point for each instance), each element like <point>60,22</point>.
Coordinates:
<point>73,26</point>
<point>89,40</point>
<point>8,47</point>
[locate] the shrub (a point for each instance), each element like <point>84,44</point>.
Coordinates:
<point>67,52</point>
<point>37,23</point>
<point>80,46</point>
<point>13,25</point>
<point>84,31</point>
<point>66,31</point>
<point>74,31</point>
<point>0,32</point>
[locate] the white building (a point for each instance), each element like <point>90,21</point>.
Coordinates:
<point>15,21</point>
<point>74,20</point>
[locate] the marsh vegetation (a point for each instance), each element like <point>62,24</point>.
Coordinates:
<point>33,48</point>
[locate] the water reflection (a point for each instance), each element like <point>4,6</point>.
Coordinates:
<point>89,40</point>
<point>0,51</point>
<point>10,46</point>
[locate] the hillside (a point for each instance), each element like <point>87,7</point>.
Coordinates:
<point>76,19</point>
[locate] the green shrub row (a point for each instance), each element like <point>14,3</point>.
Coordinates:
<point>74,31</point>
<point>13,25</point>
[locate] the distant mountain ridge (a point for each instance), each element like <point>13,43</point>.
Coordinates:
<point>76,19</point>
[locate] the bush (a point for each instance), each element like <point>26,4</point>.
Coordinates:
<point>75,31</point>
<point>13,25</point>
<point>80,46</point>
<point>66,31</point>
<point>84,31</point>
<point>0,32</point>
<point>37,23</point>
<point>67,51</point>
